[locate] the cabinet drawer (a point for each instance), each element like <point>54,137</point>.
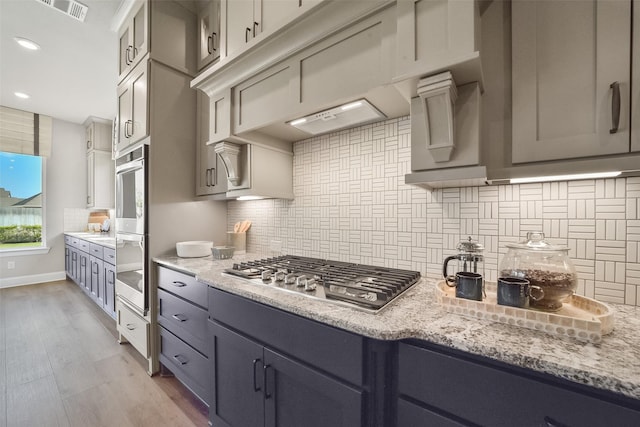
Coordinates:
<point>109,255</point>
<point>301,338</point>
<point>84,245</point>
<point>75,242</point>
<point>133,327</point>
<point>191,367</point>
<point>411,415</point>
<point>183,285</point>
<point>96,250</point>
<point>488,395</point>
<point>184,319</point>
<point>68,240</point>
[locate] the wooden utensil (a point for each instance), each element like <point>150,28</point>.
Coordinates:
<point>245,226</point>
<point>236,227</point>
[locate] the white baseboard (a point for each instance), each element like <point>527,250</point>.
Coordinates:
<point>32,279</point>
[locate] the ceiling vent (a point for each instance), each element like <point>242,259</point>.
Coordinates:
<point>72,8</point>
<point>343,116</point>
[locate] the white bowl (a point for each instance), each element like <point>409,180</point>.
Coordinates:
<point>193,249</point>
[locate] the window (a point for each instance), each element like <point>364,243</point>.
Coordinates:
<point>21,214</point>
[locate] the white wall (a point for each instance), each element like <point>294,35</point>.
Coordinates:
<point>65,187</point>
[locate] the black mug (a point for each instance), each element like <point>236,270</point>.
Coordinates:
<point>516,292</point>
<point>468,285</point>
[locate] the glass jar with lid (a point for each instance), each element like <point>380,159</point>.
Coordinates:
<point>544,265</point>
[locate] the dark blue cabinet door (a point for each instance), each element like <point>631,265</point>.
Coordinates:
<point>109,289</point>
<point>296,395</point>
<point>84,279</point>
<point>97,280</point>
<point>238,380</point>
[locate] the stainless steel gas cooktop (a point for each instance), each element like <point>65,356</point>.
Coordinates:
<point>355,285</point>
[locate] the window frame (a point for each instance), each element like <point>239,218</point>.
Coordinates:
<point>43,248</point>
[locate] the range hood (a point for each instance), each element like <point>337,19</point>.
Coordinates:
<point>343,116</point>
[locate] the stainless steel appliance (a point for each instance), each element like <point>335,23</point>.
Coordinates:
<point>365,287</point>
<point>132,284</point>
<point>131,191</point>
<point>131,281</point>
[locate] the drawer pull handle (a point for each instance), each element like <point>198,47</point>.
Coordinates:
<point>256,387</point>
<point>178,284</point>
<point>131,326</point>
<point>179,317</point>
<point>550,422</point>
<point>181,359</point>
<point>615,107</point>
<point>266,392</point>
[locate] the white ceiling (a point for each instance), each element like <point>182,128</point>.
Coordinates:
<point>74,74</point>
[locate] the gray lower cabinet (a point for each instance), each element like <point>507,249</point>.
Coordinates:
<point>92,267</point>
<point>440,387</point>
<point>271,368</point>
<point>182,316</point>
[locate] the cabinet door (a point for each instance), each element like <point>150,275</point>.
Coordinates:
<point>263,98</point>
<point>238,380</point>
<point>208,32</point>
<point>133,39</point>
<point>210,175</point>
<point>132,108</point>
<point>91,161</point>
<point>75,266</point>
<point>567,57</point>
<point>84,272</point>
<point>635,67</point>
<point>109,289</point>
<point>296,395</point>
<point>97,280</point>
<point>432,34</point>
<point>220,116</point>
<point>89,135</point>
<point>241,26</point>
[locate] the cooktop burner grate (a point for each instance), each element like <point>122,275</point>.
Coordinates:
<point>364,286</point>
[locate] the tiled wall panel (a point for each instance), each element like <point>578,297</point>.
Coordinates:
<point>351,204</point>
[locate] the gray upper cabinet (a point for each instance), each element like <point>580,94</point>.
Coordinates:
<point>100,167</point>
<point>211,178</point>
<point>247,19</point>
<point>134,39</point>
<point>635,93</point>
<point>436,35</point>
<point>132,107</point>
<point>208,32</point>
<point>571,79</point>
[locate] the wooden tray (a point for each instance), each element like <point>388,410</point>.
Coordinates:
<point>582,318</point>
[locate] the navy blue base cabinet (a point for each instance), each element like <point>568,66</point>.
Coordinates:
<point>441,387</point>
<point>272,368</point>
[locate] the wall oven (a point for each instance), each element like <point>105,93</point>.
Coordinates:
<point>131,191</point>
<point>132,281</point>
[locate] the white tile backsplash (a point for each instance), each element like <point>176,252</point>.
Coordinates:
<point>351,204</point>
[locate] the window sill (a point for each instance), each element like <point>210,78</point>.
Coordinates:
<point>24,252</point>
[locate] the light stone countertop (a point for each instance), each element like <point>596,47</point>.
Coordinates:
<point>104,239</point>
<point>612,365</point>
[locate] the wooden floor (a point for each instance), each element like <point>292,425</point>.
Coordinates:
<point>60,365</point>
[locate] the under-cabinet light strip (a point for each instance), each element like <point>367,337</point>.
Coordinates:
<point>570,177</point>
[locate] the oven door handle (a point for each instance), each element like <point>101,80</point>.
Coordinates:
<point>131,166</point>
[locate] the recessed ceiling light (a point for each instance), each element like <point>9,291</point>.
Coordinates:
<point>21,95</point>
<point>27,44</point>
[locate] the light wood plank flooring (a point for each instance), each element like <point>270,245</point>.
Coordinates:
<point>60,365</point>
